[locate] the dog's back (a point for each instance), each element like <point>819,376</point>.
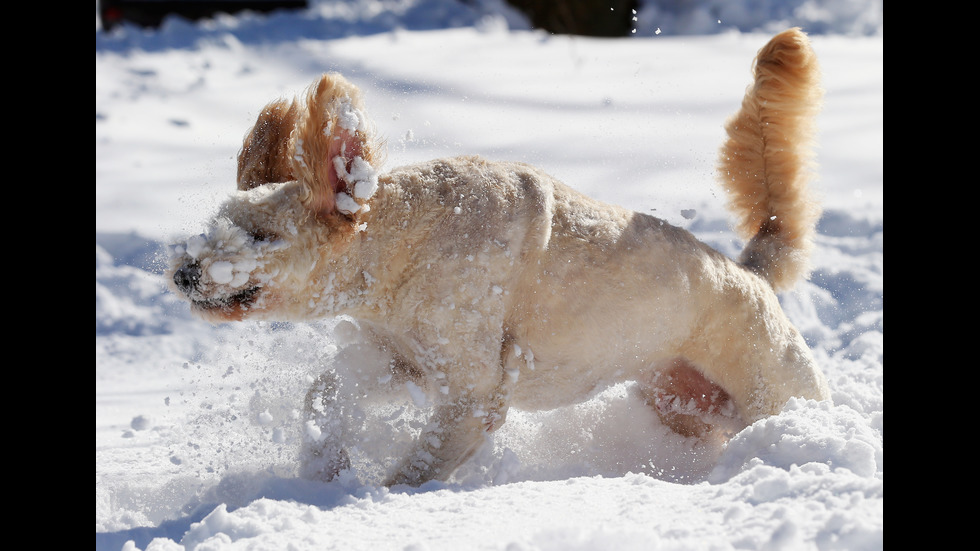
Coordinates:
<point>595,293</point>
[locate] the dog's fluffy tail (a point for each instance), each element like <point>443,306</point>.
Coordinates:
<point>766,162</point>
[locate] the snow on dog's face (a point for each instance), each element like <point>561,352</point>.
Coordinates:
<point>305,175</point>
<point>259,249</point>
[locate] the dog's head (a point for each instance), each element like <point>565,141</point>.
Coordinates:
<point>305,174</point>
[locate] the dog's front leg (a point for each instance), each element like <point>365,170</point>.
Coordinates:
<point>322,456</point>
<point>455,432</point>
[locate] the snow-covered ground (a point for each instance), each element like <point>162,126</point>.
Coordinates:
<point>195,431</point>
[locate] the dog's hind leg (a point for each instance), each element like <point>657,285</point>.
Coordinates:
<point>690,403</point>
<point>727,381</point>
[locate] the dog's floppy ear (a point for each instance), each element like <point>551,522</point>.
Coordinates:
<point>332,149</point>
<point>264,157</point>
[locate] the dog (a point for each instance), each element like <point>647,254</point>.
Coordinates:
<point>491,284</point>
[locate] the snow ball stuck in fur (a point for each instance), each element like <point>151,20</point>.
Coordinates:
<point>346,204</point>
<point>350,118</point>
<point>366,178</point>
<point>362,180</point>
<point>195,246</point>
<point>221,272</point>
<point>233,274</point>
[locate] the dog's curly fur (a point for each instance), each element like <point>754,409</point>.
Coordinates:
<point>492,284</point>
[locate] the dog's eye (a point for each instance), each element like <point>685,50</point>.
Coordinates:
<point>261,235</point>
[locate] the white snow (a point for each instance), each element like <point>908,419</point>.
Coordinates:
<point>365,177</point>
<point>346,203</point>
<point>197,425</point>
<point>222,271</point>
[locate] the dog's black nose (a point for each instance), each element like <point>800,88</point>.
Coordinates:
<point>187,276</point>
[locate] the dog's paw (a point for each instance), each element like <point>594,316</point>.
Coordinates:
<point>323,464</point>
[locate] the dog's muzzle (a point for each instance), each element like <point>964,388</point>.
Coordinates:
<point>187,280</point>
